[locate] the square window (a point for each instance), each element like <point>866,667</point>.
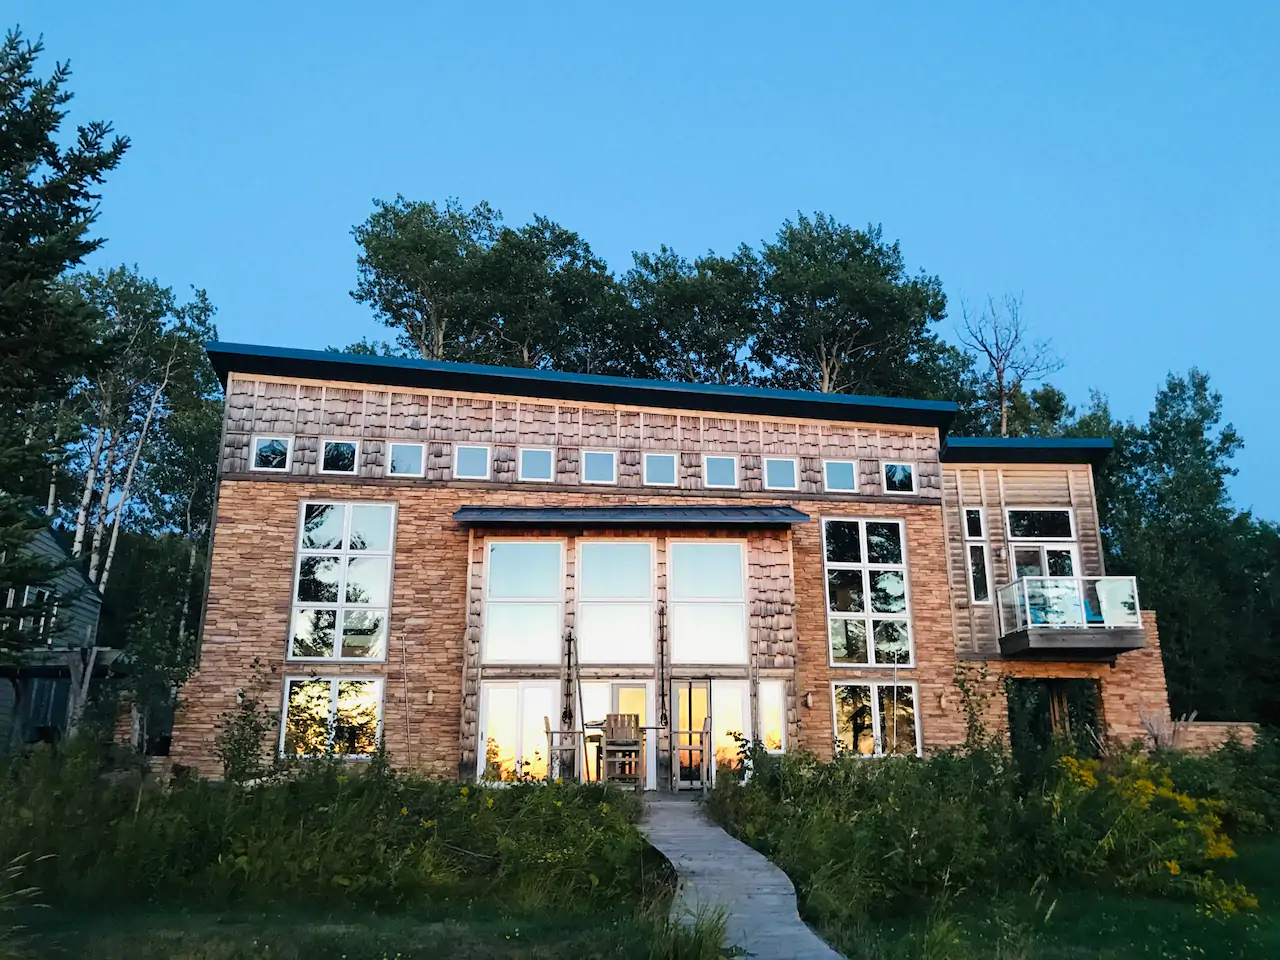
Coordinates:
<point>780,474</point>
<point>331,715</point>
<point>660,469</point>
<point>599,466</point>
<point>537,464</point>
<point>719,472</point>
<point>470,462</point>
<point>840,476</point>
<point>271,453</point>
<point>339,456</point>
<point>406,460</point>
<point>899,477</point>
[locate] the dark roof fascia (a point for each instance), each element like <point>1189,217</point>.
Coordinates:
<point>1092,450</point>
<point>250,359</point>
<point>629,516</point>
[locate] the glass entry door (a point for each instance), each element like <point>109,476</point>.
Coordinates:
<point>600,698</point>
<point>727,703</point>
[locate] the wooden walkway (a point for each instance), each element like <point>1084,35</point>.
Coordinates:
<point>718,872</point>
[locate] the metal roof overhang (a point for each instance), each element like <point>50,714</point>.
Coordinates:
<point>1026,449</point>
<point>629,516</point>
<point>228,358</point>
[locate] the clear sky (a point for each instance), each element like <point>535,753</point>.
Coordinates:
<point>1117,165</point>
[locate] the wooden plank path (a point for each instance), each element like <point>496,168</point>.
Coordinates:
<point>717,871</point>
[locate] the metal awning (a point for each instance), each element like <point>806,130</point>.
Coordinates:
<point>629,516</point>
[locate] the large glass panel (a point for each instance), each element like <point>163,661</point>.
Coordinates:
<point>1061,563</point>
<point>313,633</point>
<point>632,699</point>
<point>780,474</point>
<point>888,591</point>
<point>536,465</point>
<point>772,713</point>
<point>356,721</point>
<point>339,457</point>
<point>1117,602</point>
<point>1055,603</point>
<point>306,720</point>
<point>899,478</point>
<point>599,467</point>
<point>892,642</point>
<point>693,706</point>
<point>522,632</point>
<point>1027,562</point>
<point>596,704</point>
<point>528,569</point>
<point>843,541</point>
<point>615,632</point>
<point>708,633</point>
<point>720,472</point>
<point>848,641</point>
<point>364,634</point>
<point>318,579</point>
<point>371,527</point>
<point>501,731</point>
<point>537,710</point>
<point>471,463</point>
<point>840,476</point>
<point>844,591</point>
<point>897,720</point>
<point>368,580</point>
<point>406,460</point>
<point>1040,524</point>
<point>711,571</point>
<point>616,571</point>
<point>322,526</point>
<point>271,453</point>
<point>729,720</point>
<point>884,543</point>
<point>660,469</point>
<point>978,573</point>
<point>855,730</point>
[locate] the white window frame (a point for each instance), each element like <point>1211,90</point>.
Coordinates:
<point>344,555</point>
<point>485,658</point>
<point>580,600</point>
<point>1071,519</point>
<point>737,475</point>
<point>981,542</point>
<point>520,451</point>
<point>782,687</point>
<point>482,721</point>
<point>288,453</point>
<point>488,460</point>
<point>582,466</point>
<point>47,617</point>
<point>333,680</point>
<point>884,477</point>
<point>355,461</point>
<point>392,444</point>
<point>674,600</point>
<point>868,617</point>
<point>826,484</point>
<point>795,468</point>
<point>675,471</point>
<point>875,714</point>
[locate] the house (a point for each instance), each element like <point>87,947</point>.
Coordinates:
<point>458,559</point>
<point>43,692</point>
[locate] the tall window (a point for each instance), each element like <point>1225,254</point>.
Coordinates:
<point>876,719</point>
<point>707,587</point>
<point>615,601</point>
<point>524,601</point>
<point>341,715</point>
<point>975,535</point>
<point>342,584</point>
<point>868,617</point>
<point>773,714</point>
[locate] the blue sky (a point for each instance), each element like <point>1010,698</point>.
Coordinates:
<point>1117,166</point>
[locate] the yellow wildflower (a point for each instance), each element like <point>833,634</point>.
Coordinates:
<point>463,792</point>
<point>1173,868</point>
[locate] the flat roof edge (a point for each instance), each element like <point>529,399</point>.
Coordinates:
<point>1091,450</point>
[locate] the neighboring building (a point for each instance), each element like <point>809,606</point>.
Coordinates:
<point>43,692</point>
<point>452,557</point>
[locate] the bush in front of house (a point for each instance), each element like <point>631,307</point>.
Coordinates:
<point>323,833</point>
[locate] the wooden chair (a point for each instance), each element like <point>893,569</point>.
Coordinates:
<point>623,753</point>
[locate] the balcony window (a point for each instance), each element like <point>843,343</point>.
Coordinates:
<point>660,469</point>
<point>840,476</point>
<point>876,719</point>
<point>524,613</point>
<point>615,601</point>
<point>342,582</point>
<point>707,584</point>
<point>407,460</point>
<point>868,613</point>
<point>781,473</point>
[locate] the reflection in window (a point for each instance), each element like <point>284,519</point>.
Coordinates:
<point>523,622</point>
<point>773,714</point>
<point>1040,525</point>
<point>615,601</point>
<point>708,602</point>
<point>270,453</point>
<point>331,715</point>
<point>900,478</point>
<point>406,460</point>
<point>979,583</point>
<point>339,456</point>
<point>343,583</point>
<point>514,717</point>
<point>876,719</point>
<point>867,616</point>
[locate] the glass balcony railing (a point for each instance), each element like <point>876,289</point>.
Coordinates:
<point>1056,603</point>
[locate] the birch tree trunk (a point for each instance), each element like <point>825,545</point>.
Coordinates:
<point>100,521</point>
<point>91,475</point>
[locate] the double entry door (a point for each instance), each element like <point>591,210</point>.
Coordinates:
<point>727,704</point>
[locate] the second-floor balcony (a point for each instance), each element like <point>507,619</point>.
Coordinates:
<point>1074,618</point>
